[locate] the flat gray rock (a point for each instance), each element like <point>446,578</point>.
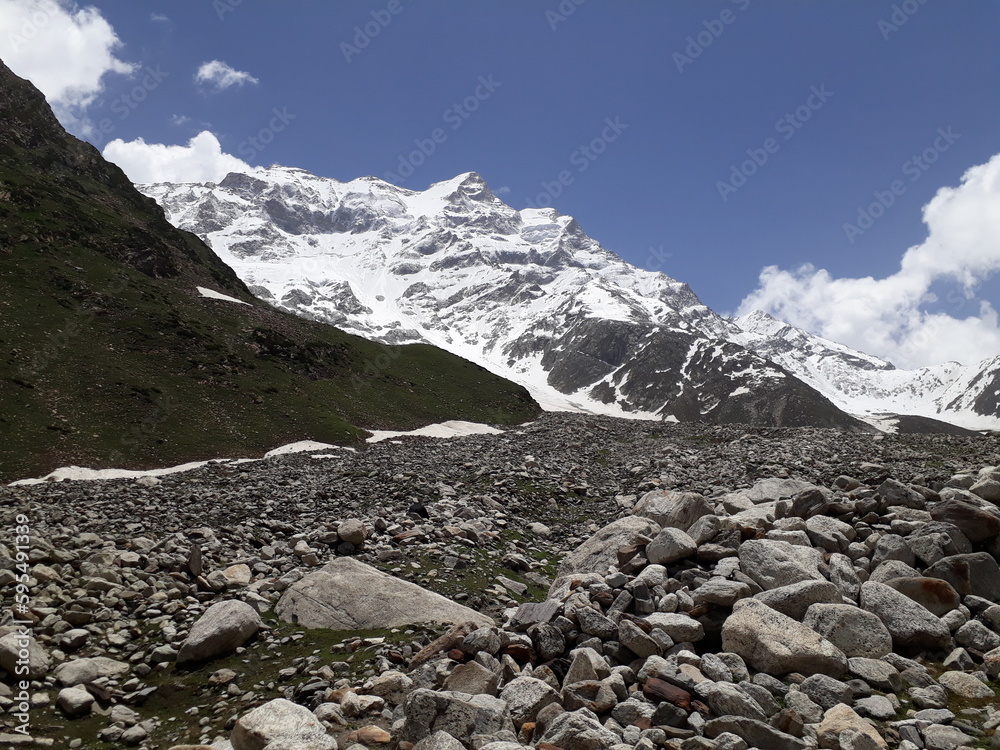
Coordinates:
<point>348,595</point>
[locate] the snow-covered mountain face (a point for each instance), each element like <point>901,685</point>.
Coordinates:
<point>866,386</point>
<point>524,293</point>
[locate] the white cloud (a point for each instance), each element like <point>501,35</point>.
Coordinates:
<point>889,317</point>
<point>502,190</point>
<point>220,76</point>
<point>201,160</point>
<point>64,50</point>
<point>159,18</point>
<point>180,120</point>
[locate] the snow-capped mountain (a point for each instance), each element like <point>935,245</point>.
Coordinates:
<point>860,384</point>
<point>526,294</point>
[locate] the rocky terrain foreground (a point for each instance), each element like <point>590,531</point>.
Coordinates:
<point>579,583</point>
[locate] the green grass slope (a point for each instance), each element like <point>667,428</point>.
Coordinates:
<point>109,356</point>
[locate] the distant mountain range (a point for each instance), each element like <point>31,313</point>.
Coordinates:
<point>112,354</point>
<point>528,295</point>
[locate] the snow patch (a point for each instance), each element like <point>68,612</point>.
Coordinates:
<point>212,294</point>
<point>446,430</point>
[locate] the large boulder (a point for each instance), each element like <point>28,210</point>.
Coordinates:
<point>526,696</point>
<point>854,631</point>
<point>224,627</point>
<point>794,599</point>
<point>842,718</point>
<point>678,510</point>
<point>935,594</point>
<point>978,524</point>
<point>281,722</point>
<point>459,714</point>
<point>774,643</point>
<point>669,546</point>
<point>772,563</point>
<point>976,573</point>
<point>348,595</point>
<point>911,625</point>
<point>757,733</point>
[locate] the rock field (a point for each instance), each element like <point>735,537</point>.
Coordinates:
<point>576,583</point>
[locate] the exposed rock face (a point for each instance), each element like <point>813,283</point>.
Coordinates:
<point>349,595</point>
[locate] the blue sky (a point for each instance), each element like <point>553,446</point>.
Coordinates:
<point>833,99</point>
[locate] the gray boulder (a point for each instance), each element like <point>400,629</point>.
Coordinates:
<point>280,722</point>
<point>774,643</point>
<point>224,627</point>
<point>770,563</point>
<point>669,546</point>
<point>459,714</point>
<point>578,730</point>
<point>793,600</point>
<point>679,510</point>
<point>339,596</point>
<point>909,624</point>
<point>854,631</point>
<point>680,628</point>
<point>975,573</point>
<point>757,733</point>
<point>75,701</point>
<point>525,697</point>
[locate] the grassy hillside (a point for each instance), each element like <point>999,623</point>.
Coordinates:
<point>109,356</point>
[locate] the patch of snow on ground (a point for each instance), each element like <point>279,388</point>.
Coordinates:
<point>212,294</point>
<point>300,447</point>
<point>451,429</point>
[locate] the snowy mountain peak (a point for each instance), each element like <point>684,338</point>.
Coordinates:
<point>529,295</point>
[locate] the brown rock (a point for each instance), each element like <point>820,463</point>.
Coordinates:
<point>370,735</point>
<point>661,690</point>
<point>935,594</point>
<point>975,523</point>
